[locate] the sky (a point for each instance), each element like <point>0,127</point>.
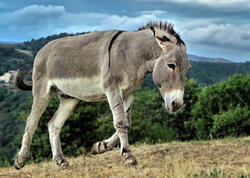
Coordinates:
<point>210,28</point>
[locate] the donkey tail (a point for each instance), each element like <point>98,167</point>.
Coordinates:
<point>19,81</point>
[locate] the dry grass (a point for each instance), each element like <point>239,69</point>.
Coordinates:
<point>218,158</point>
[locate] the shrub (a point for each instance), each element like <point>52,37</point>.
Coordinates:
<point>233,123</point>
<point>220,101</point>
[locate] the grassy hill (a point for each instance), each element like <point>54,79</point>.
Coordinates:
<point>216,158</point>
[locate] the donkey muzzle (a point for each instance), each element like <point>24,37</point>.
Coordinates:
<point>173,99</point>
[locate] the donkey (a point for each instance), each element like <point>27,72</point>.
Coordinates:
<point>107,65</point>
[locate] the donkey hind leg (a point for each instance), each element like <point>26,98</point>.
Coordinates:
<point>108,144</point>
<point>38,107</point>
<point>121,124</point>
<point>66,106</point>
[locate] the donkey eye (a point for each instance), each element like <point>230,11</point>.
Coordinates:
<point>164,39</point>
<point>171,66</point>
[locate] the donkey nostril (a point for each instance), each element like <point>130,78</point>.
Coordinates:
<point>173,104</point>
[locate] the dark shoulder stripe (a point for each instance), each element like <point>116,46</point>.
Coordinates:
<point>112,42</point>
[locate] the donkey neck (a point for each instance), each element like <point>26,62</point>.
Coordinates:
<point>149,52</point>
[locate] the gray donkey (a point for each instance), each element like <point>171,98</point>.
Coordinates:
<point>107,65</point>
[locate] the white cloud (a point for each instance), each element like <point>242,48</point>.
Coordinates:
<point>42,20</point>
<point>216,39</point>
<point>211,2</point>
<point>156,12</point>
<point>38,21</point>
<point>229,35</point>
<point>232,5</point>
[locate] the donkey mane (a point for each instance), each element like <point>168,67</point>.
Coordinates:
<point>166,26</point>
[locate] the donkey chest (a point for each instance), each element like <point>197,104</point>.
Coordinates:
<point>130,84</point>
<point>81,88</point>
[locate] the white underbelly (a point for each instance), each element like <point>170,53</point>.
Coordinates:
<point>81,88</point>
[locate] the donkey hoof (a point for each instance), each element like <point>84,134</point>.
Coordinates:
<point>130,161</point>
<point>62,163</point>
<point>99,147</point>
<point>20,162</point>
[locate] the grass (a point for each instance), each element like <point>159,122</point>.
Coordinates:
<point>216,158</point>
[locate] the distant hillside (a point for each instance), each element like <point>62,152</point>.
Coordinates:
<point>207,73</point>
<point>11,59</point>
<point>206,59</point>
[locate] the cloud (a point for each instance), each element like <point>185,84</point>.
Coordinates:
<point>156,12</point>
<point>34,21</point>
<point>240,4</point>
<point>216,39</point>
<point>38,20</point>
<point>31,15</point>
<point>224,35</point>
<point>211,2</point>
<point>245,36</point>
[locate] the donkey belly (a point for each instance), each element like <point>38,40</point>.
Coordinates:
<point>81,88</point>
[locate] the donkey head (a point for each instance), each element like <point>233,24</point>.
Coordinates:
<point>171,67</point>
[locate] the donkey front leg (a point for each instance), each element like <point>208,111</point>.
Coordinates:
<point>121,124</point>
<point>55,125</point>
<point>105,145</point>
<point>108,144</point>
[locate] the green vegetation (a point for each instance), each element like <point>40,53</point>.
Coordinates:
<point>218,110</point>
<point>223,109</point>
<point>10,59</point>
<point>11,103</point>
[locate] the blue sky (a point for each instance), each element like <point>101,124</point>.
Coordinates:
<point>212,28</point>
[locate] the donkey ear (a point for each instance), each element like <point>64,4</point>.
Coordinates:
<point>164,42</point>
<point>152,29</point>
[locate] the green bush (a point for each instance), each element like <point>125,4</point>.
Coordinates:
<point>218,102</point>
<point>158,134</point>
<point>4,162</point>
<point>233,123</point>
